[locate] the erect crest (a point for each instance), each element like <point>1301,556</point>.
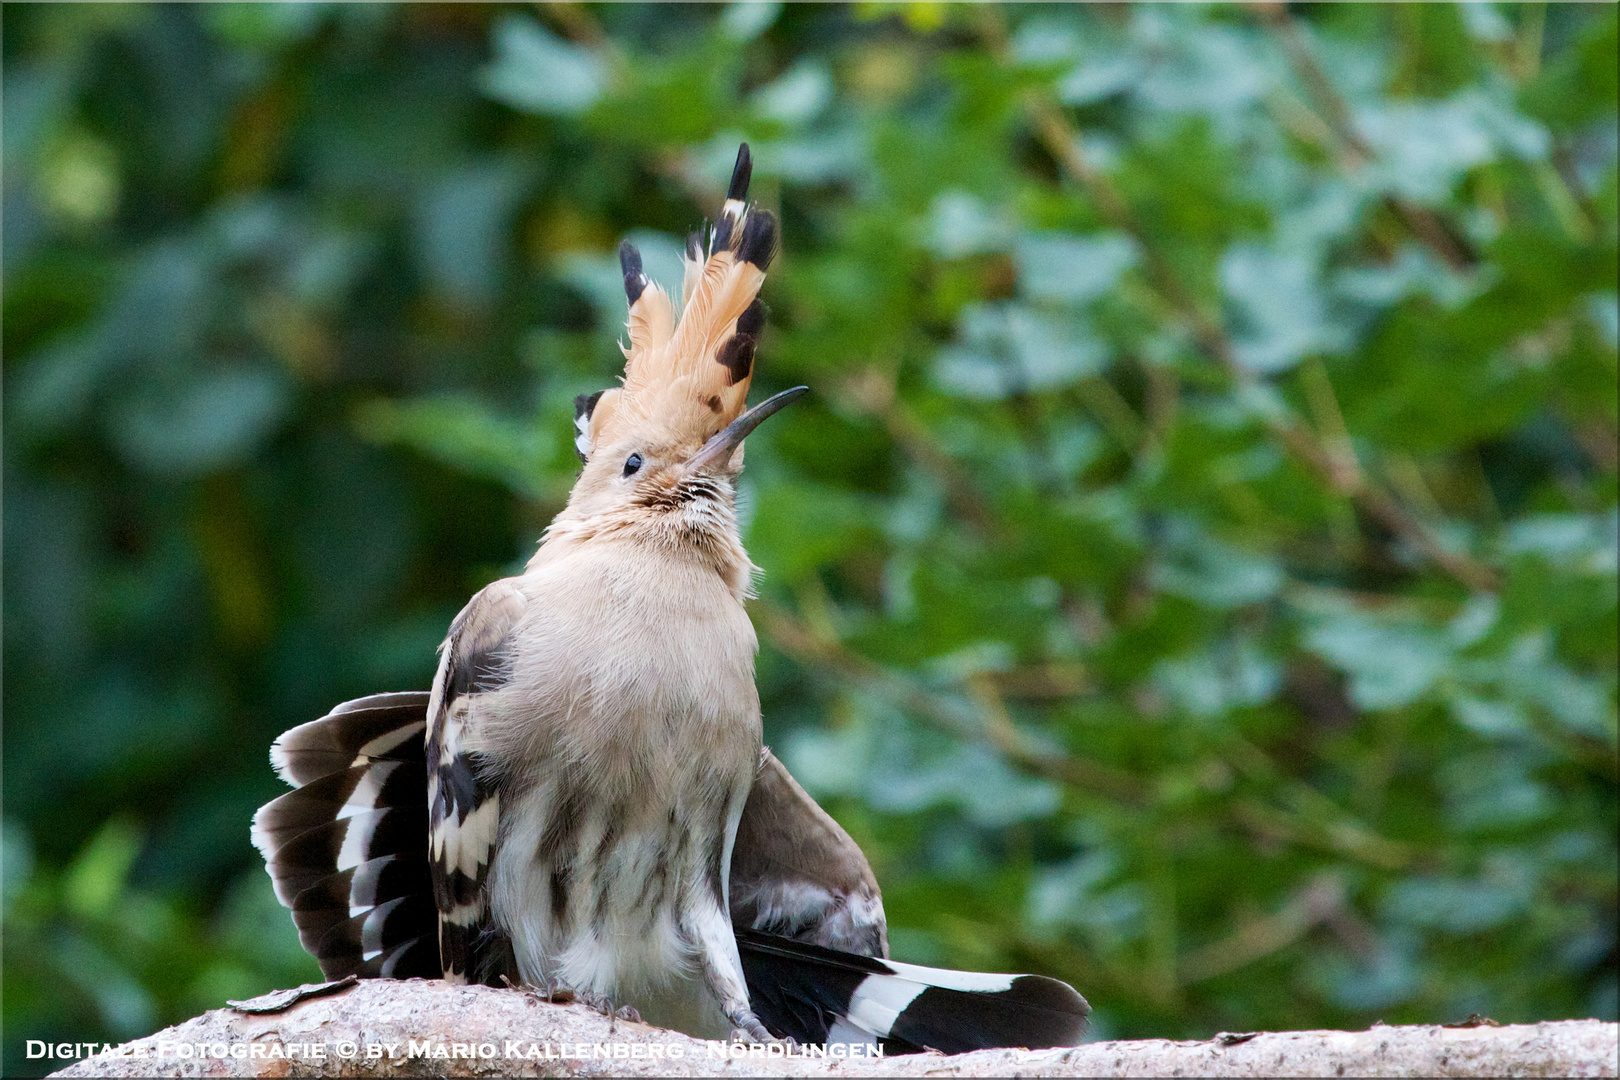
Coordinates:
<point>688,378</point>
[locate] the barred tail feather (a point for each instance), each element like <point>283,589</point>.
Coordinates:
<point>820,995</point>
<point>347,850</point>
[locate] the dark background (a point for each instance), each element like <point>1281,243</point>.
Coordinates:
<point>1193,577</point>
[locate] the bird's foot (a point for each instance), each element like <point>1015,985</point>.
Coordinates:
<point>604,1005</point>
<point>786,1042</point>
<point>748,1028</point>
<point>552,992</point>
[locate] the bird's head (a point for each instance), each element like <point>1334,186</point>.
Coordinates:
<point>663,450</point>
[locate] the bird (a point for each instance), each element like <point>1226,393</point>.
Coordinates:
<point>582,804</point>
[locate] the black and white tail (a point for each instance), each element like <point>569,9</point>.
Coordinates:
<point>818,995</point>
<point>347,850</point>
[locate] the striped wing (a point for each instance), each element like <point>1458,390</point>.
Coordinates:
<point>347,850</point>
<point>464,806</point>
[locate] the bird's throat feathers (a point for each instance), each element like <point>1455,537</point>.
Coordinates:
<point>688,520</point>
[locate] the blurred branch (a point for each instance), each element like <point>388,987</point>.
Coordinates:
<point>1520,61</point>
<point>1314,822</point>
<point>1163,400</point>
<point>873,391</point>
<point>1596,436</point>
<point>798,640</point>
<point>1018,746</point>
<point>1354,150</point>
<point>1111,409</point>
<point>1557,180</point>
<point>1055,680</point>
<point>1526,54</point>
<point>578,23</point>
<point>1316,903</point>
<point>1338,837</point>
<point>916,442</point>
<point>1063,142</point>
<point>1567,193</point>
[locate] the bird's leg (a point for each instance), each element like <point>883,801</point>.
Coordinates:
<point>748,1029</point>
<point>722,972</point>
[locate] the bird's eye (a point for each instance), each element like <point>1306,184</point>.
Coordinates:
<point>632,463</point>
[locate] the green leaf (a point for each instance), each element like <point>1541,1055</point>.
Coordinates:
<point>1282,315</point>
<point>748,19</point>
<point>797,527</point>
<point>1216,574</point>
<point>202,422</point>
<point>960,223</point>
<point>1070,268</point>
<point>536,71</point>
<point>1493,719</point>
<point>1424,147</point>
<point>1214,681</point>
<point>1457,906</point>
<point>1390,664</point>
<point>466,435</point>
<point>96,880</point>
<point>1012,349</point>
<point>797,96</point>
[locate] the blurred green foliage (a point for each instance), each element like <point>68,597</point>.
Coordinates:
<point>1194,577</point>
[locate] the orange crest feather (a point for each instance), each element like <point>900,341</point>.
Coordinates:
<point>689,377</point>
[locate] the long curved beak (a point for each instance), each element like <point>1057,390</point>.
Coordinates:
<point>718,450</point>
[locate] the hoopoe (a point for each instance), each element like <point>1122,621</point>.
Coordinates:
<point>583,803</point>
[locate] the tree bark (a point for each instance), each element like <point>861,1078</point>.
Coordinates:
<point>386,1028</point>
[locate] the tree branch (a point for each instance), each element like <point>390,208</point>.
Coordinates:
<point>471,1030</point>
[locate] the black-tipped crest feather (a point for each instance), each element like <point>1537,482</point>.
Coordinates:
<point>741,174</point>
<point>720,238</point>
<point>758,244</point>
<point>635,279</point>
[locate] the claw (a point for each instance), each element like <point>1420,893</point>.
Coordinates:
<point>749,1029</point>
<point>591,999</point>
<point>553,992</point>
<point>786,1042</point>
<point>604,1005</point>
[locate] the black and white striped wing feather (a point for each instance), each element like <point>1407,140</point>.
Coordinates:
<point>463,804</point>
<point>347,850</point>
